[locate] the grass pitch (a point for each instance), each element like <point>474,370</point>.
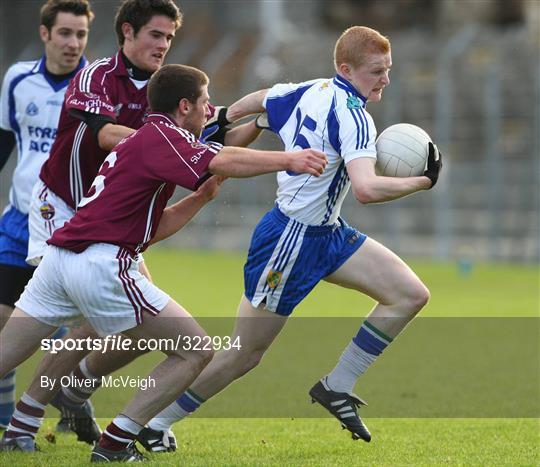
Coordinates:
<point>319,442</point>
<point>210,284</point>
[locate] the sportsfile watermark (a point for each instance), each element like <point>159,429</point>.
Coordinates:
<point>437,368</point>
<point>120,343</point>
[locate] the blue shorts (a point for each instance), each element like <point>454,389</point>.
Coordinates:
<point>287,259</point>
<point>14,238</point>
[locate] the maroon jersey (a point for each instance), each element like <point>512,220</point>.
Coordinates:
<point>103,88</point>
<point>128,196</point>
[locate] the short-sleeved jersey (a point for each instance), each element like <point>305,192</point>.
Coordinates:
<point>125,203</point>
<point>30,103</point>
<point>104,88</point>
<point>328,115</point>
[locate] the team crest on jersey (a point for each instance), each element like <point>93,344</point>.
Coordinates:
<point>353,102</point>
<point>32,109</point>
<point>323,86</point>
<point>274,278</point>
<point>46,210</point>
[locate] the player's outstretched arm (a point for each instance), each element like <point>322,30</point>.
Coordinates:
<point>368,187</point>
<point>180,213</point>
<point>242,135</point>
<point>242,162</point>
<point>247,105</point>
<point>217,127</point>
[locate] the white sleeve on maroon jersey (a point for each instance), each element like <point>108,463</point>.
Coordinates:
<point>88,91</point>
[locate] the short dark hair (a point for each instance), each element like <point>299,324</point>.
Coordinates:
<point>172,83</point>
<point>139,12</point>
<point>49,11</point>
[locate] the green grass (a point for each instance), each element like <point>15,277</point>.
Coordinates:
<point>318,442</point>
<point>210,284</point>
<point>490,290</point>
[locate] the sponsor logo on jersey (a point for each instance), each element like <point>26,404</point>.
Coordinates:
<point>274,278</point>
<point>41,131</point>
<point>197,157</point>
<point>32,109</point>
<point>134,106</point>
<point>56,103</point>
<point>353,102</point>
<point>41,138</point>
<point>46,210</point>
<point>198,145</point>
<point>94,103</point>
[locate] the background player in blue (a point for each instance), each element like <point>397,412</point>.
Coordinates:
<point>30,102</point>
<point>303,239</point>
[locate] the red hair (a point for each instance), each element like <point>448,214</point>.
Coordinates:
<point>357,42</point>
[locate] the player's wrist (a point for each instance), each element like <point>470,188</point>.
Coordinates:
<point>427,182</point>
<point>289,161</point>
<point>228,116</point>
<point>432,174</point>
<point>222,117</point>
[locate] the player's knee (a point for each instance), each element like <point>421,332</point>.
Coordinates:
<point>418,297</point>
<point>206,356</point>
<point>199,358</point>
<point>251,359</point>
<point>193,350</point>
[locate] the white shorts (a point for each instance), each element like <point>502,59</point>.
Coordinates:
<point>47,213</point>
<point>102,284</point>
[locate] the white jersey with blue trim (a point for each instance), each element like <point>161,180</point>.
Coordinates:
<point>30,104</point>
<point>328,115</point>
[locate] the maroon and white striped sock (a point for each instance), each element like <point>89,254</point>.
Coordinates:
<point>85,384</point>
<point>26,419</point>
<point>120,432</point>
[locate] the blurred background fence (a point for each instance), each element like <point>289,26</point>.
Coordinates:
<point>467,71</point>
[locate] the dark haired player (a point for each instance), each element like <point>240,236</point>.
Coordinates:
<point>104,103</point>
<point>90,268</point>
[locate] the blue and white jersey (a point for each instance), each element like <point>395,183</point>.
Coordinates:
<point>30,103</point>
<point>328,115</point>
